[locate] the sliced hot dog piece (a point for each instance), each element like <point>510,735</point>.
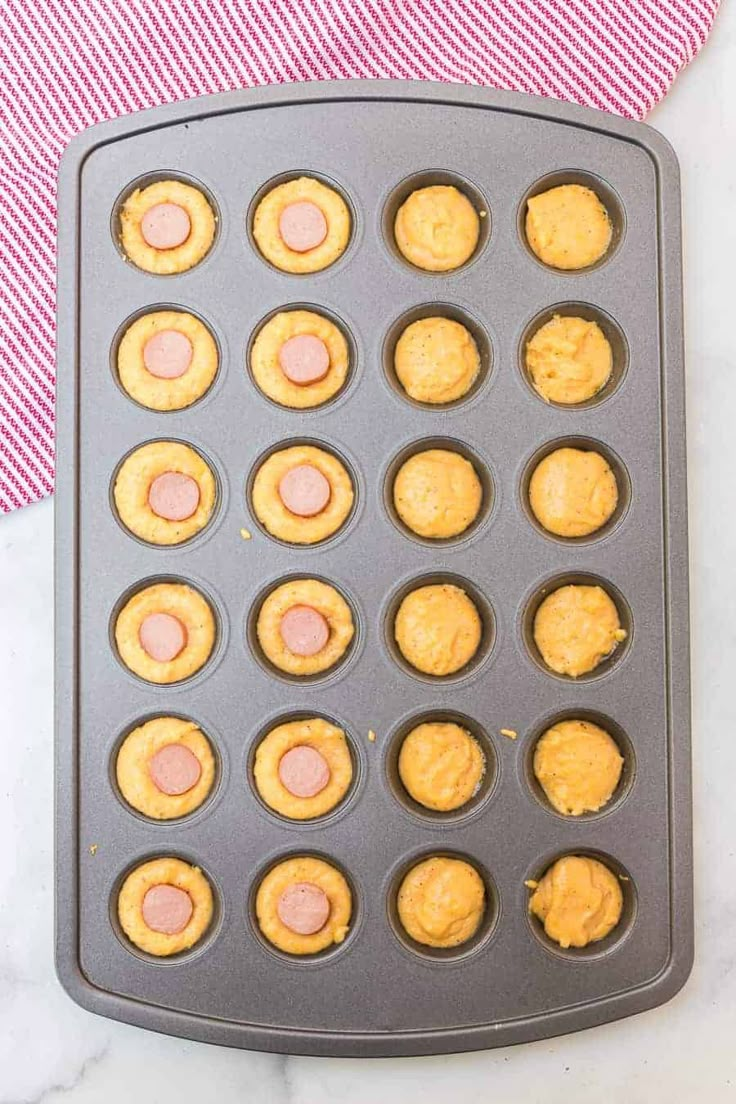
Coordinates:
<point>304,630</point>
<point>304,771</point>
<point>303,908</point>
<point>304,490</point>
<point>302,226</point>
<point>162,636</point>
<point>174,769</point>
<point>173,496</point>
<point>166,225</point>
<point>167,909</point>
<point>304,359</point>
<point>168,354</point>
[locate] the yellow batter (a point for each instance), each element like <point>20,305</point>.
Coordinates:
<point>273,514</point>
<point>437,493</point>
<point>578,765</point>
<point>137,473</point>
<point>314,732</point>
<point>438,629</point>
<point>441,902</point>
<point>182,257</point>
<point>180,601</point>
<point>568,227</point>
<point>578,900</point>
<point>264,359</point>
<point>166,871</point>
<point>166,394</point>
<point>268,237</point>
<point>305,868</point>
<point>135,782</point>
<point>441,765</point>
<point>576,628</point>
<point>437,228</point>
<point>321,597</point>
<point>573,492</point>
<point>569,360</point>
<point>436,360</point>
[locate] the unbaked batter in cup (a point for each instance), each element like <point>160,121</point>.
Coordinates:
<point>575,628</point>
<point>304,627</point>
<point>165,906</point>
<point>165,632</point>
<point>302,494</point>
<point>165,492</point>
<point>304,905</point>
<point>579,901</point>
<point>165,768</point>
<point>300,359</point>
<point>167,227</point>
<point>441,902</point>
<point>437,228</point>
<point>303,769</point>
<point>302,225</point>
<point>167,360</point>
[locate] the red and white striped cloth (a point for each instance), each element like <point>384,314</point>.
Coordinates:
<point>65,64</point>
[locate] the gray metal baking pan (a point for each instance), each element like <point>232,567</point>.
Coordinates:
<point>376,994</point>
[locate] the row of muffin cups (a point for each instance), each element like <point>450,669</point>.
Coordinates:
<point>451,478</point>
<point>344,915</point>
<point>435,221</point>
<point>607,363</point>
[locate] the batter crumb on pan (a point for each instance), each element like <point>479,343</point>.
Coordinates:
<point>246,534</point>
<point>93,848</point>
<point>531,884</point>
<point>371,735</point>
<point>511,733</point>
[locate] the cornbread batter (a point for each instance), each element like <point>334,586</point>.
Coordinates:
<point>441,765</point>
<point>302,494</point>
<point>573,492</point>
<point>568,227</point>
<point>576,628</point>
<point>165,632</point>
<point>164,492</point>
<point>436,360</point>
<point>303,905</point>
<point>167,227</point>
<point>569,360</point>
<point>304,627</point>
<point>441,902</point>
<point>165,906</point>
<point>300,359</point>
<point>302,225</point>
<point>437,493</point>
<point>438,629</point>
<point>167,360</point>
<point>303,769</point>
<point>165,768</point>
<point>578,765</point>
<point>437,228</point>
<point>578,900</point>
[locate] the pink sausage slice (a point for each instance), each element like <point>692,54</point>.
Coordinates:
<point>174,769</point>
<point>168,354</point>
<point>304,630</point>
<point>174,496</point>
<point>304,490</point>
<point>302,226</point>
<point>304,771</point>
<point>304,359</point>
<point>167,909</point>
<point>162,636</point>
<point>165,226</point>
<point>303,908</point>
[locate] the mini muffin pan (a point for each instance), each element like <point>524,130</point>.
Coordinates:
<point>378,993</point>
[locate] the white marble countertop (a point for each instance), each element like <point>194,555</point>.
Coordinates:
<point>50,1049</point>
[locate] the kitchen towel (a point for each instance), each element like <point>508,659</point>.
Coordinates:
<point>66,64</point>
